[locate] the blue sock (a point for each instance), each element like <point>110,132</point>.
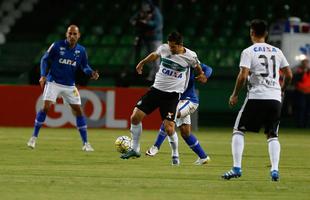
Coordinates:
<point>40,118</point>
<point>82,127</point>
<point>193,143</point>
<point>237,169</point>
<point>161,136</point>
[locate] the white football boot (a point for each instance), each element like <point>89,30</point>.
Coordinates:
<point>152,151</point>
<point>32,142</point>
<point>87,147</point>
<point>202,161</point>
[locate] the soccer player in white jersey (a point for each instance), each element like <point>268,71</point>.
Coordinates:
<point>187,105</point>
<point>58,67</point>
<point>171,80</point>
<point>259,66</point>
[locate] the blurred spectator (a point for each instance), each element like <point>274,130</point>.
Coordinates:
<point>301,81</point>
<point>148,23</point>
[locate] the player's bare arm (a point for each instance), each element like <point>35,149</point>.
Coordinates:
<point>201,77</point>
<point>240,82</point>
<point>150,58</point>
<point>42,81</point>
<point>288,75</point>
<point>94,75</point>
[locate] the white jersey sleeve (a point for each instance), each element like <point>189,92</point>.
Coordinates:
<point>283,62</point>
<point>245,60</point>
<point>191,57</point>
<point>160,49</point>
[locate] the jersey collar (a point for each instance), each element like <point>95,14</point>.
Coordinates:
<point>67,45</point>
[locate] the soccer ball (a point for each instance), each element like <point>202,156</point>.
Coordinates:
<point>123,144</point>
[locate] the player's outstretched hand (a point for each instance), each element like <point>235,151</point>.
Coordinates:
<point>94,75</point>
<point>233,100</point>
<point>42,81</point>
<point>201,78</point>
<point>139,68</point>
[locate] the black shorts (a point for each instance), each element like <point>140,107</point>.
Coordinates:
<point>166,102</point>
<point>256,113</point>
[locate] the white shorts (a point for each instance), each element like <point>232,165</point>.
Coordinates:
<point>69,94</point>
<point>186,108</point>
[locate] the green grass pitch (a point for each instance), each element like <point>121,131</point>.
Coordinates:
<point>58,169</point>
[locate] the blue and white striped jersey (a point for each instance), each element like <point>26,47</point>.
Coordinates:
<point>62,62</point>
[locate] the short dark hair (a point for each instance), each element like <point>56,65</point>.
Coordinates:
<point>175,37</point>
<point>259,27</point>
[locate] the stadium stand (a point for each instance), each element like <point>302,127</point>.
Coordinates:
<point>24,38</point>
<point>216,30</point>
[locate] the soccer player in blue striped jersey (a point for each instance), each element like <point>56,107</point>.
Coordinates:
<point>58,67</point>
<point>187,105</point>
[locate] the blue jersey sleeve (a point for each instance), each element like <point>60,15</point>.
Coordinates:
<point>84,64</point>
<point>45,58</point>
<point>206,69</point>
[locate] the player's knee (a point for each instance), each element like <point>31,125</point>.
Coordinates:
<point>169,128</point>
<point>184,134</point>
<point>46,108</point>
<point>135,118</point>
<point>77,111</point>
<point>185,130</point>
<point>78,114</point>
<point>271,135</point>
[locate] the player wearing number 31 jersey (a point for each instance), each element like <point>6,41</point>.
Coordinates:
<point>259,65</point>
<point>263,61</point>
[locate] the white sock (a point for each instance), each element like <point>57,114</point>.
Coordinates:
<point>174,143</point>
<point>237,146</point>
<point>274,149</point>
<point>136,131</point>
